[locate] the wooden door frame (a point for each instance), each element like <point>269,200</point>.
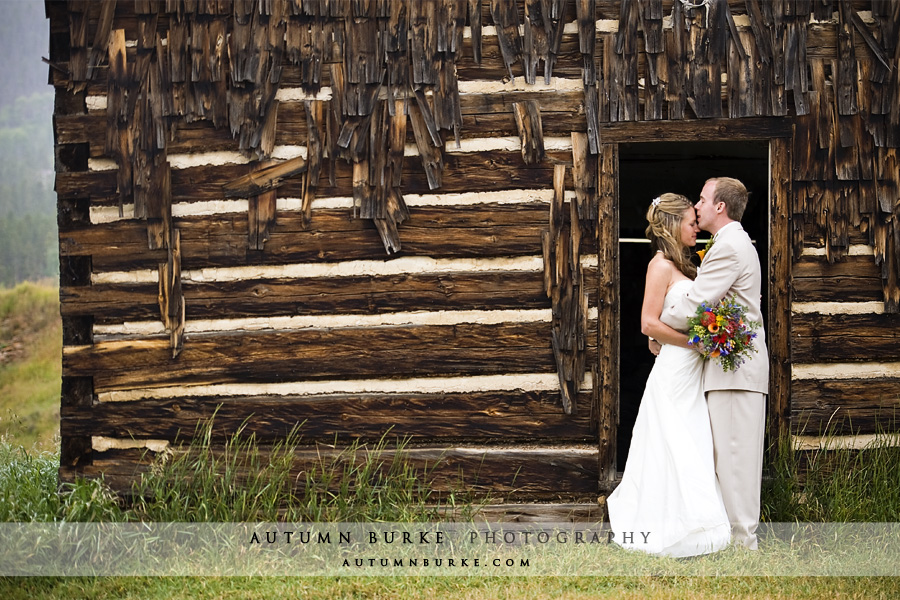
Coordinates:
<point>777,132</point>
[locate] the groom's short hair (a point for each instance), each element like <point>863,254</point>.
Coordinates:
<point>734,194</point>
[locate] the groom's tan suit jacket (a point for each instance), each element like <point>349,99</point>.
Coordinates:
<point>730,266</point>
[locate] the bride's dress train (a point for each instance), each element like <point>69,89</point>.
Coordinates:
<point>669,490</point>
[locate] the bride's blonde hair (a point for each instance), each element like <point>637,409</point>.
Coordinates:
<point>664,230</point>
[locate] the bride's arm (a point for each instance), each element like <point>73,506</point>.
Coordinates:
<point>659,273</point>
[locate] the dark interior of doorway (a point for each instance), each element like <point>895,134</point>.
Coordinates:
<point>647,170</point>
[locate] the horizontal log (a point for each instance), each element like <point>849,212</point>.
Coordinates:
<point>849,266</point>
<point>839,338</point>
<point>568,63</point>
<point>309,354</point>
<point>555,123</point>
<point>501,103</point>
<point>846,326</point>
<point>481,118</point>
<point>530,512</point>
<point>834,349</point>
<point>837,289</point>
<point>484,115</point>
<point>115,303</point>
<point>463,172</point>
<point>80,129</point>
<point>82,184</point>
<point>845,406</point>
<point>760,128</point>
<point>515,415</point>
<point>813,235</point>
<point>291,124</point>
<point>537,473</point>
<point>822,42</point>
<point>853,279</point>
<point>221,240</point>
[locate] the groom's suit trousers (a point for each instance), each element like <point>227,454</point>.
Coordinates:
<point>738,421</point>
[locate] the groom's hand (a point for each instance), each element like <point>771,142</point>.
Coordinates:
<point>654,346</point>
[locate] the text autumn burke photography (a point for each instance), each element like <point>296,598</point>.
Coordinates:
<point>438,537</point>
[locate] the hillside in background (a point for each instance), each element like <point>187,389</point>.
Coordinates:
<point>30,364</point>
<point>28,238</point>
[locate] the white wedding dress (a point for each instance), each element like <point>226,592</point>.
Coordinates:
<point>669,502</point>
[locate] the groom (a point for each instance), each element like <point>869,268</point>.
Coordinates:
<point>736,399</point>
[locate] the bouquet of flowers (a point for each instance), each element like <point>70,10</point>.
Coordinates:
<point>721,331</point>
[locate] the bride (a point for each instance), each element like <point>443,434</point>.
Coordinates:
<point>669,502</point>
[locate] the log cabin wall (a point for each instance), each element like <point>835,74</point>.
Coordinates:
<point>382,216</point>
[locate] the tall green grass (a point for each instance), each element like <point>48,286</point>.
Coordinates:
<point>240,482</point>
<point>29,492</point>
<point>30,363</point>
<point>829,484</point>
<point>196,483</point>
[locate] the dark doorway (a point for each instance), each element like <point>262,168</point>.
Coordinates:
<point>647,170</point>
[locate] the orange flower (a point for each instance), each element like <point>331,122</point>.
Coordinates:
<point>713,328</point>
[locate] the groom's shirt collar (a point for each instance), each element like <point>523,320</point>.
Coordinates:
<point>730,225</point>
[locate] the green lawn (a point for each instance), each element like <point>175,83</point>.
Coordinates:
<point>447,588</point>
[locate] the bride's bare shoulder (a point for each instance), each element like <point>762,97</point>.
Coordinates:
<point>660,266</point>
<point>660,259</point>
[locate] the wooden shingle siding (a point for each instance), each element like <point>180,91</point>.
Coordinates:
<point>325,211</point>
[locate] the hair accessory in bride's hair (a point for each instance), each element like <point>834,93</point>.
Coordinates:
<point>656,201</point>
